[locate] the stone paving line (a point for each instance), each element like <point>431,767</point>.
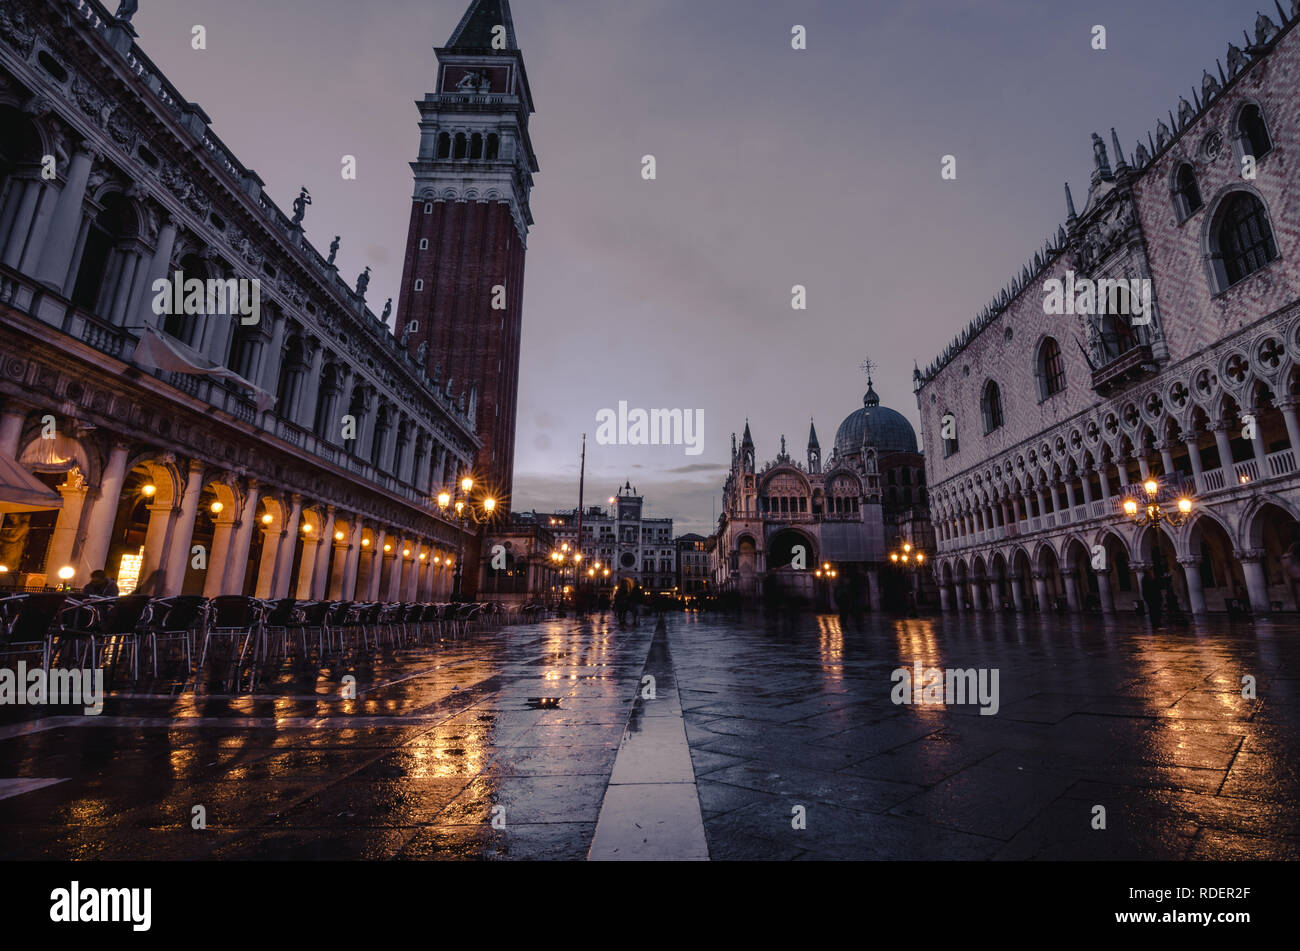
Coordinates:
<point>651,809</point>
<point>750,720</point>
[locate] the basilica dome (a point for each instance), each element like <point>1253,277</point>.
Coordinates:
<point>884,429</point>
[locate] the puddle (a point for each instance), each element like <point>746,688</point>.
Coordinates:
<point>543,703</point>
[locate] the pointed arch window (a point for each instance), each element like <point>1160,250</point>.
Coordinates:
<point>1241,239</point>
<point>1253,133</point>
<point>949,444</point>
<point>991,407</point>
<point>1187,194</point>
<point>1050,368</point>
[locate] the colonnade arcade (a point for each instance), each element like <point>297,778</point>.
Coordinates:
<point>1226,552</point>
<point>133,510</point>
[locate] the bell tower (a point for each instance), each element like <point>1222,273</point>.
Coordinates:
<point>461,299</point>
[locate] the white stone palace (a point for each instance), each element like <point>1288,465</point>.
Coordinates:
<point>1039,424</point>
<point>295,456</point>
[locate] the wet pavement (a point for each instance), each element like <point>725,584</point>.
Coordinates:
<point>778,740</point>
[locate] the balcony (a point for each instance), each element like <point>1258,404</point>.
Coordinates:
<point>1128,367</point>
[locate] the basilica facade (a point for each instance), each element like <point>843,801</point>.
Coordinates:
<point>297,453</point>
<point>1040,421</point>
<point>781,524</point>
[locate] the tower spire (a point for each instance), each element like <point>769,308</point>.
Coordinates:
<point>484,22</point>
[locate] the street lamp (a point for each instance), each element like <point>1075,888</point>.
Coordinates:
<point>467,508</point>
<point>910,560</point>
<point>1152,512</point>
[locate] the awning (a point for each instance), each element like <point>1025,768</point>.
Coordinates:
<point>20,491</point>
<point>157,351</point>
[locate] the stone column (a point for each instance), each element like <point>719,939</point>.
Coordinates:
<point>1195,593</point>
<point>991,595</point>
<point>288,543</point>
<point>271,538</point>
<point>325,544</point>
<point>1167,459</point>
<point>159,267</point>
<point>130,265</point>
<point>1104,479</point>
<point>237,562</point>
<point>1071,591</point>
<point>1257,444</point>
<point>61,228</point>
<point>178,549</point>
<point>301,586</point>
<point>976,591</point>
<point>11,426</point>
<point>348,592</point>
<point>307,404</point>
<point>376,566</point>
<point>1087,487</point>
<point>1040,589</point>
<point>1252,565</point>
<point>64,538</point>
<point>273,359</point>
<point>1288,408</point>
<point>945,598</point>
<point>413,573</point>
<point>16,234</point>
<point>1193,454</point>
<point>399,568</point>
<point>99,532</point>
<point>1225,451</point>
<point>1018,593</point>
<point>219,558</point>
<point>1142,465</point>
<point>1106,596</point>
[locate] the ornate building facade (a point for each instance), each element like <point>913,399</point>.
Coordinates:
<point>621,538</point>
<point>293,455</point>
<point>784,520</point>
<point>1038,423</point>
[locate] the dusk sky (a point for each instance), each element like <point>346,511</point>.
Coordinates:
<point>776,167</point>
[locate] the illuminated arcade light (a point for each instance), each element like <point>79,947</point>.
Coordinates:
<point>216,508</point>
<point>268,518</point>
<point>338,536</point>
<point>148,490</point>
<point>66,572</point>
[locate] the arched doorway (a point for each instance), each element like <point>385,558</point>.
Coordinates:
<point>1273,530</point>
<point>1216,567</point>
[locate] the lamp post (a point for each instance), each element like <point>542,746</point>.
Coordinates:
<point>828,573</point>
<point>1151,512</point>
<point>465,507</point>
<point>567,561</point>
<point>911,561</point>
